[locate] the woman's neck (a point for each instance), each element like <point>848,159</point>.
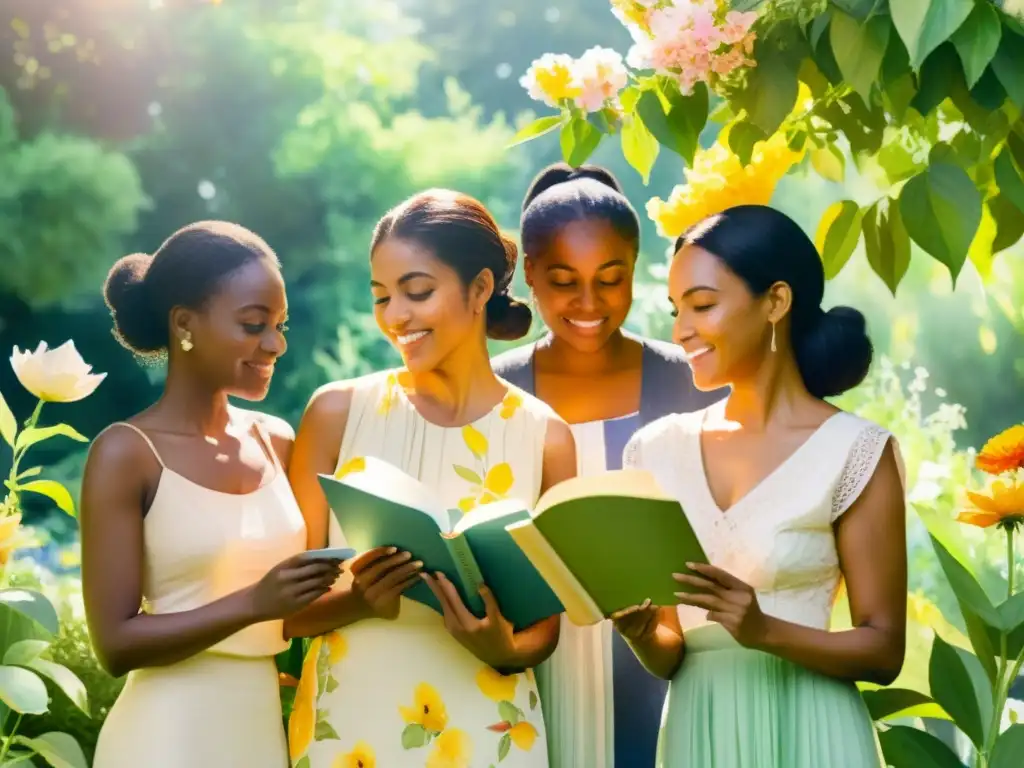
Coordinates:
<point>460,390</point>
<point>557,355</point>
<point>191,407</point>
<point>774,395</point>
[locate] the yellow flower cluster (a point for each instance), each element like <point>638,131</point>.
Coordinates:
<point>718,180</point>
<point>1003,503</point>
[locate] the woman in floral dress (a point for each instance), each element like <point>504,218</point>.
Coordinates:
<point>388,681</point>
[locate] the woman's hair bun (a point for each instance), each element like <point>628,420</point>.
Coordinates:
<point>833,351</point>
<point>508,318</point>
<point>560,173</point>
<point>137,324</point>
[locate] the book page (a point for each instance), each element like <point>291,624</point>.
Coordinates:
<point>484,513</point>
<point>388,482</point>
<point>636,483</point>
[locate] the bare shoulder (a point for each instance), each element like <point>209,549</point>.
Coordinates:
<point>558,434</point>
<point>280,432</point>
<point>120,452</point>
<point>333,400</point>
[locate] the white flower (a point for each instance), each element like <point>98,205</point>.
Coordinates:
<point>550,79</point>
<point>55,375</point>
<point>599,76</point>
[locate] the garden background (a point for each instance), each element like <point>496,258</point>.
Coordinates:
<point>121,120</point>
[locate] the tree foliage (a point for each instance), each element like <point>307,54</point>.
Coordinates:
<point>925,97</point>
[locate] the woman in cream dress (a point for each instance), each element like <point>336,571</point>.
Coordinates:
<point>388,681</point>
<point>788,495</point>
<point>187,507</point>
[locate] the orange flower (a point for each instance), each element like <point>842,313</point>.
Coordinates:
<point>1004,452</point>
<point>1003,505</point>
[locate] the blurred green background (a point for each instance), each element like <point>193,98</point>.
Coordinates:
<point>122,120</point>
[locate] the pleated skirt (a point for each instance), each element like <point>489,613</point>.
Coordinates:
<point>731,707</point>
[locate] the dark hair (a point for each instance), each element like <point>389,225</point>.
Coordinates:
<point>461,232</point>
<point>561,194</point>
<point>185,271</point>
<point>763,246</point>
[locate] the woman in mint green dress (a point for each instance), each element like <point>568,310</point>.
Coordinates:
<point>788,495</point>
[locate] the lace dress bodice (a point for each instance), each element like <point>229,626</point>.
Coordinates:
<point>779,538</point>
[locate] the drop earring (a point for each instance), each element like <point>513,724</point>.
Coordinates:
<point>186,342</point>
<point>773,338</point>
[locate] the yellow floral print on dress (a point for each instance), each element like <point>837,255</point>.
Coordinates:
<point>355,464</point>
<point>302,722</point>
<point>396,381</point>
<point>361,756</point>
<point>452,749</point>
<point>425,719</point>
<point>509,405</point>
<point>309,723</point>
<point>511,723</point>
<point>486,484</point>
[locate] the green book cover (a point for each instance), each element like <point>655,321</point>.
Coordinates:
<point>609,541</point>
<point>378,505</point>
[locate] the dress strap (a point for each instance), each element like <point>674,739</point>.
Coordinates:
<point>144,436</point>
<point>268,445</point>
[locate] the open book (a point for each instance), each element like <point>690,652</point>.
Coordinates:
<point>378,505</point>
<point>608,541</point>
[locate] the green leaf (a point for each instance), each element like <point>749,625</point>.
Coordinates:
<point>332,684</point>
<point>8,424</point>
<point>1009,222</point>
<point>906,747</point>
<point>303,763</point>
<point>1011,614</point>
<point>538,127</point>
<point>30,472</point>
<point>414,736</point>
<point>325,731</point>
<point>1009,748</point>
<point>1008,63</point>
<point>504,745</point>
<point>960,686</point>
<point>892,703</point>
<point>64,679</point>
<point>771,88</point>
<point>508,712</point>
<point>639,147</point>
<point>939,72</point>
<point>923,24</point>
<point>674,119</point>
<point>533,700</point>
<point>838,235</point>
<point>941,209</point>
<point>55,491</point>
<point>34,435</point>
<point>60,750</point>
<point>1008,178</point>
<point>22,691</point>
<point>23,652</point>
<point>886,242</point>
<point>859,9</point>
<point>859,49</point>
<point>25,613</point>
<point>742,137</point>
<point>966,588</point>
<point>579,139</point>
<point>468,475</point>
<point>977,41</point>
<point>628,98</point>
<point>829,162</point>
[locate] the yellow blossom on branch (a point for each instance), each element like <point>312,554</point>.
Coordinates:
<point>718,181</point>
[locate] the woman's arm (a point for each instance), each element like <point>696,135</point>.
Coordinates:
<point>376,578</point>
<point>492,639</point>
<point>872,544</point>
<point>118,472</point>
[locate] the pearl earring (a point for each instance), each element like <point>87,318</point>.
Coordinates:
<point>186,342</point>
<point>773,338</point>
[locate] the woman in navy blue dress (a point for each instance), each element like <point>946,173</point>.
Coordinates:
<point>581,238</point>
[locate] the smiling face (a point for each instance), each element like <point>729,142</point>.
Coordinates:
<point>238,333</point>
<point>583,283</point>
<point>422,306</point>
<point>724,329</point>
